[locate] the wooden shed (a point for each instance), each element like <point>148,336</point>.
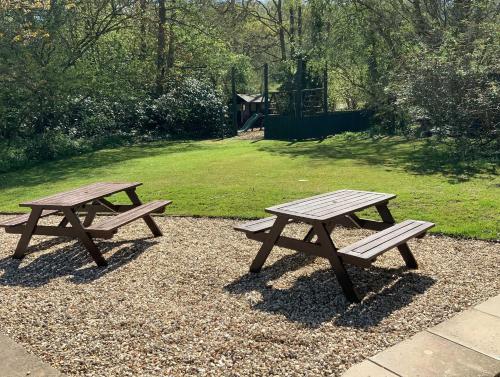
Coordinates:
<point>248,104</point>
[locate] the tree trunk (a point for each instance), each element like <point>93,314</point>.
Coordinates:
<point>142,30</point>
<point>171,47</point>
<point>299,25</point>
<point>281,30</point>
<point>160,54</point>
<point>292,32</point>
<point>171,41</point>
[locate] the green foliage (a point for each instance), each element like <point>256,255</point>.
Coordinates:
<point>454,91</point>
<point>76,74</point>
<point>190,110</point>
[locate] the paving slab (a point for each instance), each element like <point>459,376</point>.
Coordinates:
<point>491,306</point>
<point>429,355</point>
<point>368,369</point>
<point>15,361</point>
<point>473,329</point>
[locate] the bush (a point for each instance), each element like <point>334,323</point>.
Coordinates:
<point>73,125</point>
<point>192,109</point>
<point>453,92</point>
<point>90,117</point>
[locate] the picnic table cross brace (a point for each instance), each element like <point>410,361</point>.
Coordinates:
<point>70,203</point>
<point>323,213</point>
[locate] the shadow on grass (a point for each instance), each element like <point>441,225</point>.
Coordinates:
<point>85,166</point>
<point>71,260</point>
<point>424,157</point>
<point>318,298</point>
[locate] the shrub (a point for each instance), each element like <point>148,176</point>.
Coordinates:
<point>72,125</point>
<point>190,110</point>
<point>453,92</point>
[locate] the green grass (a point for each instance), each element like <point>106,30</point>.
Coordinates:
<point>239,178</point>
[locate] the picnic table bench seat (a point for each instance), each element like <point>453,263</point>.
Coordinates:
<point>23,219</point>
<point>257,226</point>
<point>365,251</point>
<point>111,224</point>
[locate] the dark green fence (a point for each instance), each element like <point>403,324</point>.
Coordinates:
<point>284,127</point>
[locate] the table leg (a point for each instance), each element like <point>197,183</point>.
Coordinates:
<point>268,244</point>
<point>84,237</point>
<point>63,222</point>
<point>311,233</point>
<point>147,218</point>
<point>338,267</point>
<point>404,249</point>
<point>385,214</point>
<point>407,255</point>
<point>90,216</point>
<point>24,241</point>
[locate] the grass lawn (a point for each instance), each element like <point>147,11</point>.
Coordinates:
<point>239,178</point>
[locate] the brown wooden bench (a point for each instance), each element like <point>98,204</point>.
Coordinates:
<point>110,226</point>
<point>23,219</point>
<point>365,251</point>
<point>257,226</point>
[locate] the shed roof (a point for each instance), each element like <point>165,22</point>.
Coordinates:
<point>251,98</point>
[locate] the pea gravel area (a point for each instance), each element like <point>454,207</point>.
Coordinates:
<point>251,135</point>
<point>185,304</point>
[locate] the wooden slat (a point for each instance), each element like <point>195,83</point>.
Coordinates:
<point>349,202</point>
<point>376,244</point>
<point>328,206</point>
<point>326,203</point>
<point>340,194</point>
<point>340,206</point>
<point>381,237</point>
<point>118,208</point>
<point>80,195</point>
<point>67,195</point>
<point>333,196</point>
<point>21,219</point>
<point>372,253</point>
<point>257,226</point>
<point>281,206</point>
<point>124,218</point>
<point>349,207</point>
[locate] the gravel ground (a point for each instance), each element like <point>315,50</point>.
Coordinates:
<point>184,304</point>
<point>251,135</point>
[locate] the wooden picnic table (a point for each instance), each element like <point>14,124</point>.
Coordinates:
<point>323,213</point>
<point>88,200</point>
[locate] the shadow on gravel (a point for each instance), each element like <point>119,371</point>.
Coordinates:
<point>71,260</point>
<point>318,298</point>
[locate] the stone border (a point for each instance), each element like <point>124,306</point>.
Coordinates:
<point>15,361</point>
<point>465,345</point>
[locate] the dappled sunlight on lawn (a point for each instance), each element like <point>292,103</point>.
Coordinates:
<point>417,157</point>
<point>240,178</point>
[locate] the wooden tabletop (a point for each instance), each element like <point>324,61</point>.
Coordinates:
<point>80,195</point>
<point>327,206</point>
